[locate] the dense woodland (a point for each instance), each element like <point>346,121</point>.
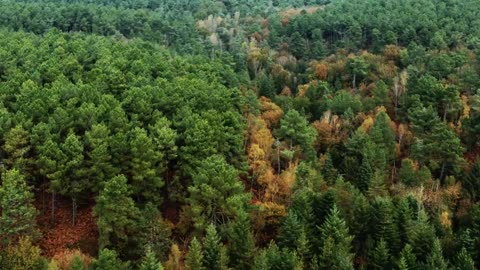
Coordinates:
<point>239,134</point>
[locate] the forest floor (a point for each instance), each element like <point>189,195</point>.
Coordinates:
<point>61,234</point>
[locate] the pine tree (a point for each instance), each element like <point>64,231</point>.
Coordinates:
<point>217,194</point>
<point>174,259</point>
<point>77,263</point>
<point>214,251</point>
<point>464,261</point>
<point>194,258</point>
<point>336,247</point>
<point>108,260</point>
<point>383,224</point>
<point>380,257</point>
<point>422,237</point>
<point>145,166</point>
<point>149,262</point>
<point>241,243</point>
<point>18,213</point>
<point>99,156</point>
<point>383,135</point>
<point>365,175</point>
<point>435,260</point>
<point>407,174</point>
<point>116,213</point>
<point>295,130</point>
<point>16,147</point>
<point>329,171</point>
<point>471,182</point>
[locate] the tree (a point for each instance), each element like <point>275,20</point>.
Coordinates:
<point>464,261</point>
<point>358,68</point>
<point>72,180</point>
<point>435,260</point>
<point>407,174</point>
<point>365,175</point>
<point>16,147</point>
<point>108,260</point>
<point>216,195</point>
<point>116,214</point>
<point>194,258</point>
<point>241,243</point>
<point>99,155</point>
<point>77,263</point>
<point>174,259</point>
<point>23,255</point>
<point>149,262</point>
<point>145,166</point>
<point>18,213</point>
<point>336,247</point>
<point>215,257</point>
<point>407,258</point>
<point>380,257</point>
<point>471,182</point>
<point>295,129</point>
<point>383,135</point>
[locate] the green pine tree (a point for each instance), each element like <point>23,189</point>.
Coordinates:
<point>435,260</point>
<point>241,243</point>
<point>336,247</point>
<point>77,263</point>
<point>194,258</point>
<point>149,262</point>
<point>18,213</point>
<point>464,261</point>
<point>108,260</point>
<point>116,214</point>
<point>214,252</point>
<point>380,256</point>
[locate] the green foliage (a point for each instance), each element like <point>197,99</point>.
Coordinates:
<point>294,129</point>
<point>241,243</point>
<point>216,194</point>
<point>194,258</point>
<point>77,264</point>
<point>149,262</point>
<point>336,248</point>
<point>116,214</point>
<point>108,260</point>
<point>215,256</point>
<point>18,213</point>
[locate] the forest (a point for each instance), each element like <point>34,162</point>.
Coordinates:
<point>239,134</point>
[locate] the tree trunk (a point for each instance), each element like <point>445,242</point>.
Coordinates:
<point>74,210</point>
<point>442,171</point>
<point>53,207</point>
<point>354,81</point>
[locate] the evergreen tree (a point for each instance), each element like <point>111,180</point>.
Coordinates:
<point>407,174</point>
<point>194,258</point>
<point>217,194</point>
<point>335,252</point>
<point>77,263</point>
<point>295,130</point>
<point>214,252</point>
<point>18,213</point>
<point>16,147</point>
<point>435,260</point>
<point>471,182</point>
<point>108,260</point>
<point>116,214</point>
<point>383,135</point>
<point>145,166</point>
<point>329,171</point>
<point>241,243</point>
<point>464,261</point>
<point>365,175</point>
<point>149,262</point>
<point>99,156</point>
<point>380,256</point>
